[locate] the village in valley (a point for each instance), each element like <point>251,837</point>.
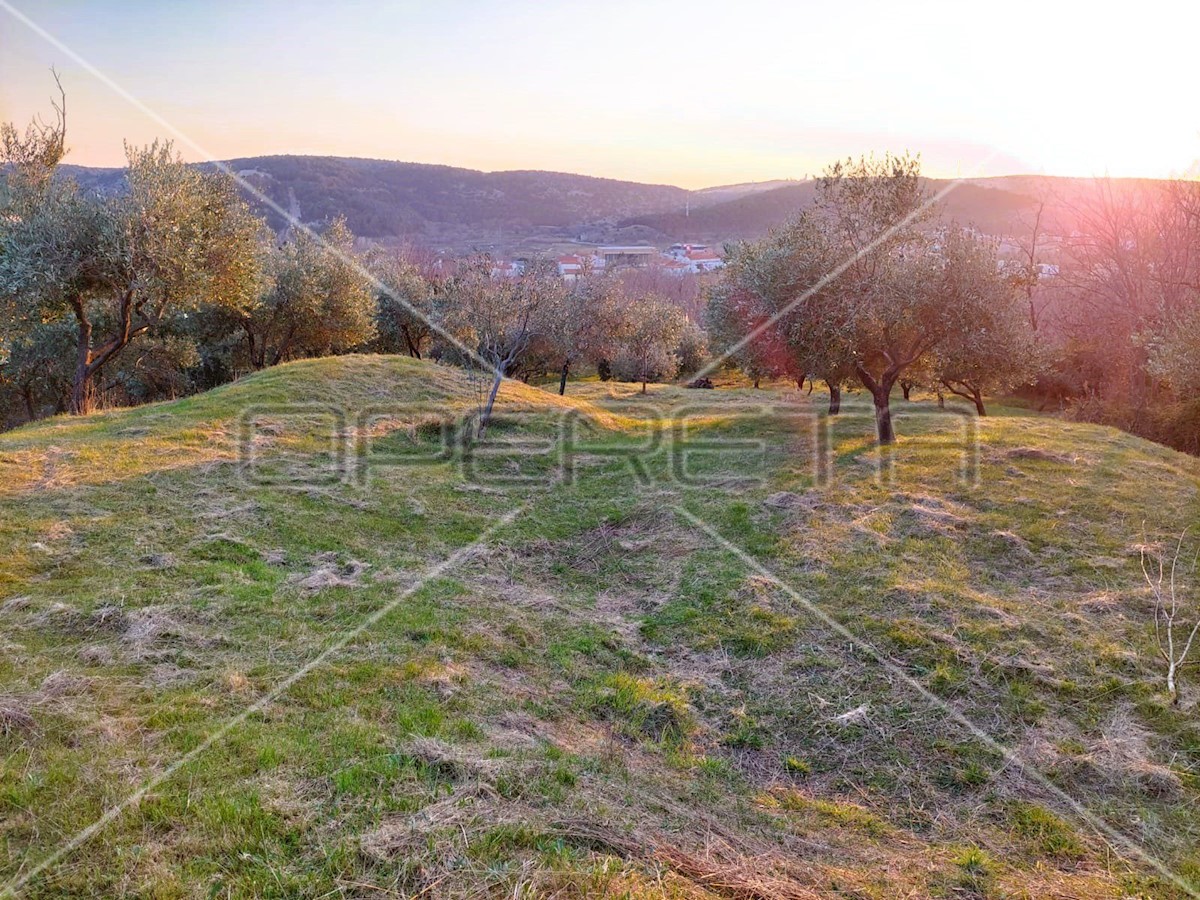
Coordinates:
<point>678,259</point>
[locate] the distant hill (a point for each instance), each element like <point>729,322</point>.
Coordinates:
<point>529,211</point>
<point>723,192</point>
<point>995,210</point>
<point>386,199</point>
<point>744,217</point>
<point>383,199</point>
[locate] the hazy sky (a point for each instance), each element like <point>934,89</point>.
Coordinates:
<point>689,93</point>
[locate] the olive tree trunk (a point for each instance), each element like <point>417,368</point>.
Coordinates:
<point>835,398</point>
<point>881,394</point>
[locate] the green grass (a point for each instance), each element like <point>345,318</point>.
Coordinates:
<point>599,680</point>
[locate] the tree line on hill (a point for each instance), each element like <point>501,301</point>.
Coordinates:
<point>172,285</point>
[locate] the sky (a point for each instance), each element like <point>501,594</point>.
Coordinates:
<point>689,93</point>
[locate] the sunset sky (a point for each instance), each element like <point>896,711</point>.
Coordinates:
<point>694,94</point>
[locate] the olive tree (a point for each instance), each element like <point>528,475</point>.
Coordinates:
<point>864,285</point>
<point>873,209</point>
<point>693,348</point>
<point>36,372</point>
<point>907,290</point>
<point>991,350</point>
<point>495,318</point>
<point>774,303</point>
<point>173,240</point>
<point>733,312</point>
<point>586,324</point>
<point>404,314</point>
<point>651,333</point>
<point>317,300</point>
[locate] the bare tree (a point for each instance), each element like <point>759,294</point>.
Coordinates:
<point>1026,276</point>
<point>1130,265</point>
<point>1171,631</point>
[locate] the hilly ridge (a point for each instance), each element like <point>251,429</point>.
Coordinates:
<point>465,209</point>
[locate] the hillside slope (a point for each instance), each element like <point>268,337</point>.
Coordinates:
<point>329,654</point>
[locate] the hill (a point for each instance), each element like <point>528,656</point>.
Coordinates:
<point>327,654</point>
<point>381,198</point>
<point>995,210</point>
<point>507,211</point>
<point>541,212</point>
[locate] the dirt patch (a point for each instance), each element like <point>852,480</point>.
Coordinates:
<point>143,634</point>
<point>403,837</point>
<point>166,675</point>
<point>55,469</point>
<point>641,530</point>
<point>267,426</point>
<point>17,713</point>
<point>62,683</point>
<point>108,618</point>
<point>331,572</point>
<point>155,625</point>
<point>472,488</point>
<point>58,531</point>
<point>214,505</point>
<point>445,677</point>
<point>499,588</point>
<point>139,634</point>
<point>622,611</point>
<point>1102,602</point>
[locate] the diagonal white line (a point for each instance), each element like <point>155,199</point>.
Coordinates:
<point>836,272</point>
<point>1110,835</point>
<point>344,639</point>
<point>245,185</point>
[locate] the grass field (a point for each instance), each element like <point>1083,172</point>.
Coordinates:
<point>290,639</point>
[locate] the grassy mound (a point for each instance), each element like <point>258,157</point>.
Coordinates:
<point>295,638</point>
